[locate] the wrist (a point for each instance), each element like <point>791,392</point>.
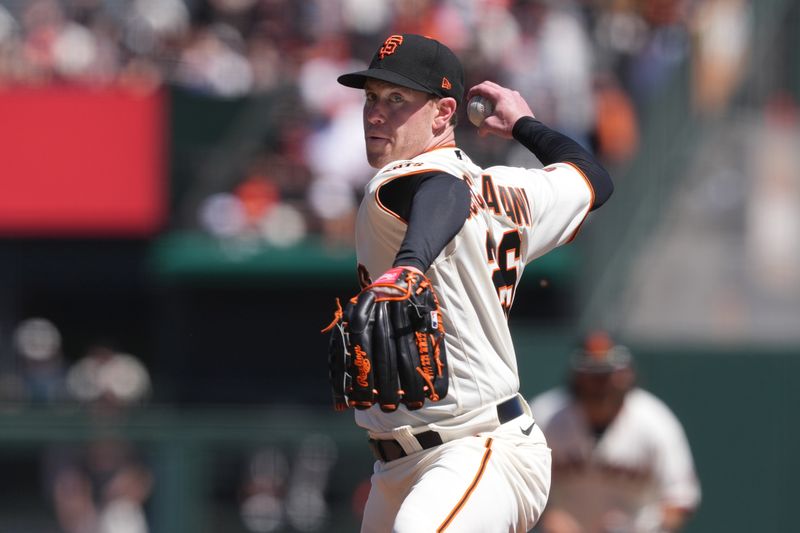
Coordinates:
<point>409,264</point>
<point>520,124</point>
<point>392,275</point>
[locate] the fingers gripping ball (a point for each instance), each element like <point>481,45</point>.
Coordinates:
<point>387,345</point>
<point>478,109</point>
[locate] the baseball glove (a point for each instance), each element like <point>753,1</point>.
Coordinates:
<point>387,345</point>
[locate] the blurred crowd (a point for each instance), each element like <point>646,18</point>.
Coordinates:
<point>34,371</point>
<point>105,484</point>
<point>587,67</point>
<point>288,490</point>
<point>100,486</point>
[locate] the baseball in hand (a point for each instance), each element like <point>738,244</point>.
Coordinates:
<point>478,109</point>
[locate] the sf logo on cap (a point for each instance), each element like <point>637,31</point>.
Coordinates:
<point>390,45</point>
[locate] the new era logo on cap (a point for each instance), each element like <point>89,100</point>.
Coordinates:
<point>413,61</point>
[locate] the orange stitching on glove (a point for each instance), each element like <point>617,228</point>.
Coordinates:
<point>406,293</point>
<point>434,397</point>
<point>439,364</point>
<point>337,316</point>
<point>411,277</point>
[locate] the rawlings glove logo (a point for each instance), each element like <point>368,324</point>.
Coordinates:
<point>363,365</point>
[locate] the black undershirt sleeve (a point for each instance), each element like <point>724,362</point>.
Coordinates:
<point>550,146</point>
<point>435,205</point>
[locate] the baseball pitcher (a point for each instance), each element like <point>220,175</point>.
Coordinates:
<point>423,353</point>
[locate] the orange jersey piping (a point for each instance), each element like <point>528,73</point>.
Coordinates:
<point>591,201</point>
<point>470,489</point>
<point>378,191</point>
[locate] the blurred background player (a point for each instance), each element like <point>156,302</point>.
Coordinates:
<point>621,460</point>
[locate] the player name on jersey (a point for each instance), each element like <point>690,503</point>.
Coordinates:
<point>513,200</point>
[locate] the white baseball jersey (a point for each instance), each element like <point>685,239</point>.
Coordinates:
<point>516,215</point>
<point>640,462</point>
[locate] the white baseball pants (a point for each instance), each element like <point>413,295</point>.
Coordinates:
<point>496,481</point>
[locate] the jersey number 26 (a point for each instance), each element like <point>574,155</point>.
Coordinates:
<point>503,260</point>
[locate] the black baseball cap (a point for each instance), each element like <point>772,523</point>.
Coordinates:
<point>416,62</point>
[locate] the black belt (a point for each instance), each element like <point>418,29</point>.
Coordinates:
<point>389,450</point>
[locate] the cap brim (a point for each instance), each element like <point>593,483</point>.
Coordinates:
<point>357,80</point>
